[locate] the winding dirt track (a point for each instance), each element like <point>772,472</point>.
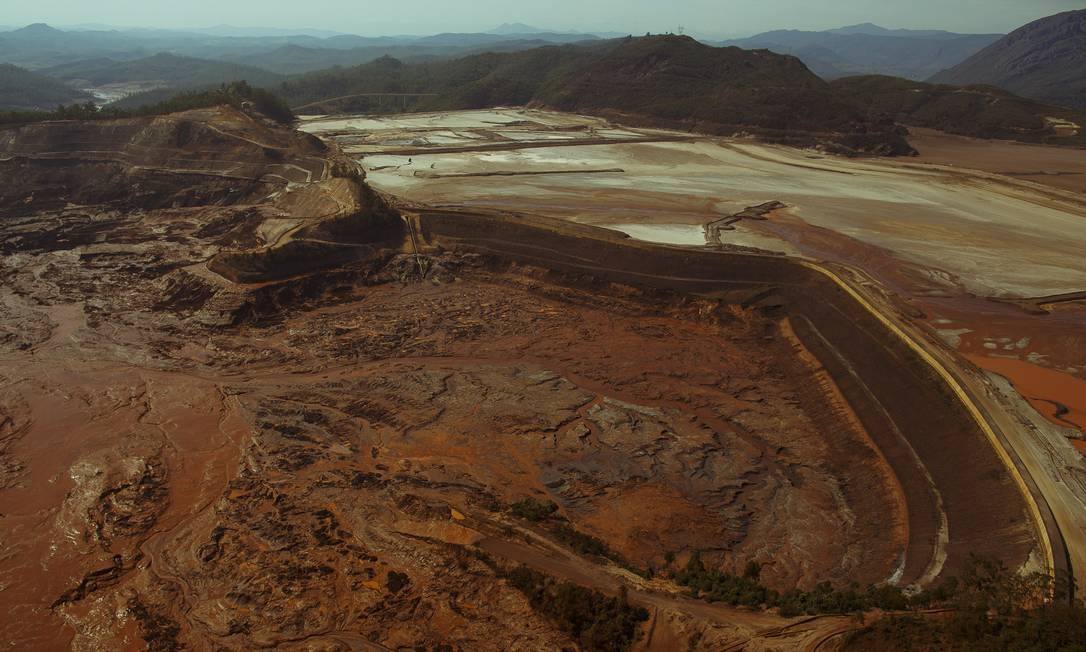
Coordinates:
<point>962,496</point>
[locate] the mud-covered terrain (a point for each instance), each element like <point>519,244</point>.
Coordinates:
<point>977,244</point>
<point>243,403</point>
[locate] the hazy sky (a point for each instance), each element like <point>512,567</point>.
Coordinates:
<point>703,17</point>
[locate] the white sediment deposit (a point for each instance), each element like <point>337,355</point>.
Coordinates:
<point>996,239</point>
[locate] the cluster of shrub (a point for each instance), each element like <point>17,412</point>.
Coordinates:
<point>716,585</point>
<point>532,509</point>
<point>990,608</point>
<point>545,512</point>
<point>594,620</point>
<point>237,94</point>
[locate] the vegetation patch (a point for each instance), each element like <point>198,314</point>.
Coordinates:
<point>746,589</point>
<point>546,513</point>
<point>240,95</point>
<point>664,81</point>
<point>585,544</point>
<point>25,91</point>
<point>975,111</point>
<point>596,621</point>
<point>989,608</point>
<point>532,509</point>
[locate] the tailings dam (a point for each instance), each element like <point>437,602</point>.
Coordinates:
<point>960,497</point>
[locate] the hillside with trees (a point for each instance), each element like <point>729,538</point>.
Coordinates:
<point>239,95</point>
<point>666,81</point>
<point>170,70</point>
<point>976,111</point>
<point>23,90</point>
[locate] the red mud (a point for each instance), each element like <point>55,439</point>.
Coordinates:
<point>1059,396</point>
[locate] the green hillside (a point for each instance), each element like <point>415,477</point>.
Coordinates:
<point>22,90</point>
<point>668,81</point>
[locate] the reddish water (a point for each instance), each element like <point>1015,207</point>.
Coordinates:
<point>1057,395</point>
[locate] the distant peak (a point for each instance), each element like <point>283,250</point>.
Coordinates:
<point>39,27</point>
<point>861,28</point>
<point>516,28</point>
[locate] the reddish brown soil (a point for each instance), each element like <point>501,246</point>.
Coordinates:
<point>1060,167</point>
<point>891,391</point>
<point>190,462</point>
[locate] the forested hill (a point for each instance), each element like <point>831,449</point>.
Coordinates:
<point>667,81</point>
<point>22,90</point>
<point>976,111</point>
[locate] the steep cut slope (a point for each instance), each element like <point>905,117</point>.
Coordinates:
<point>978,111</point>
<point>22,90</point>
<point>668,81</point>
<point>1045,60</point>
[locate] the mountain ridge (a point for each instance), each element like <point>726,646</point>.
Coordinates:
<point>870,49</point>
<point>1044,60</point>
<point>668,81</point>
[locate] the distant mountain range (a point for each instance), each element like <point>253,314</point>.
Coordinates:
<point>869,49</point>
<point>519,64</point>
<point>1044,60</point>
<point>515,28</point>
<point>872,29</point>
<point>170,70</point>
<point>856,49</point>
<point>177,60</point>
<point>258,32</point>
<point>39,46</point>
<point>298,59</point>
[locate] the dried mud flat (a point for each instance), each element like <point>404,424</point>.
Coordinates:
<point>244,404</point>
